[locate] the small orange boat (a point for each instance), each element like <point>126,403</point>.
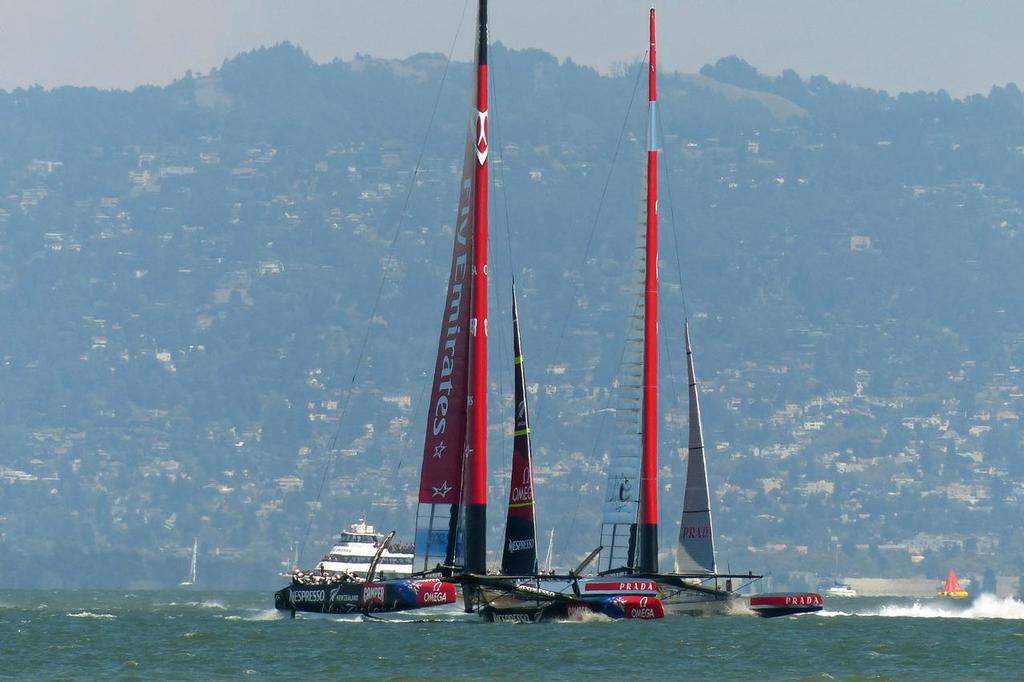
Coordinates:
<point>952,588</point>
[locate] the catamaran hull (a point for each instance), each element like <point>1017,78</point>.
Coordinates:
<point>366,598</point>
<point>523,604</point>
<point>686,603</point>
<point>630,607</point>
<point>786,604</point>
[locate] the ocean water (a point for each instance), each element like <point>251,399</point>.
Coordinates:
<point>193,635</point>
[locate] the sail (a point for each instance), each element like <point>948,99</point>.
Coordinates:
<point>453,420</point>
<point>441,474</point>
<point>629,528</point>
<point>695,552</point>
<point>519,553</point>
<point>620,505</point>
<point>476,451</point>
<point>952,585</point>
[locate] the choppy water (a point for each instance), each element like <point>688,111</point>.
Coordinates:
<point>202,635</point>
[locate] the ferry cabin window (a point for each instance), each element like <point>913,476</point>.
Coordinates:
<point>351,559</point>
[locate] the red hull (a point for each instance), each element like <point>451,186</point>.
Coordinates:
<point>786,603</point>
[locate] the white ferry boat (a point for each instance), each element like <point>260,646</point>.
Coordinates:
<point>353,553</point>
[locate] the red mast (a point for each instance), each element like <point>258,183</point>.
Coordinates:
<point>649,429</point>
<point>476,462</point>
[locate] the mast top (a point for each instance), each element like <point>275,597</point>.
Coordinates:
<point>481,38</point>
<point>651,86</point>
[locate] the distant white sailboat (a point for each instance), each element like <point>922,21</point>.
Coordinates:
<point>551,546</point>
<point>192,568</point>
<point>839,588</point>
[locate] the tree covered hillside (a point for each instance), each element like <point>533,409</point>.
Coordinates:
<point>189,276</point>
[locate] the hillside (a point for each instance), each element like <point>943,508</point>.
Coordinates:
<point>188,273</point>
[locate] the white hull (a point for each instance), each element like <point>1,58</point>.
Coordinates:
<point>681,602</point>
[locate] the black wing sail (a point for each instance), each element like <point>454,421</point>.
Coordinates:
<point>519,555</point>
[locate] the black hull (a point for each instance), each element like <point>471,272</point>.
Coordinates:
<point>350,598</point>
<point>337,599</point>
<point>540,613</point>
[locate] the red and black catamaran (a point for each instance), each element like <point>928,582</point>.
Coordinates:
<point>451,514</point>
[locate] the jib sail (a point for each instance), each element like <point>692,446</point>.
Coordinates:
<point>695,552</point>
<point>519,554</point>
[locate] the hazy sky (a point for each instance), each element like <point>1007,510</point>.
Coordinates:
<point>958,45</point>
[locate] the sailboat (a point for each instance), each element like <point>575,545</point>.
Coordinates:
<point>550,552</point>
<point>451,511</point>
<point>839,588</point>
<point>629,530</point>
<point>952,589</point>
<point>192,565</point>
<point>521,594</point>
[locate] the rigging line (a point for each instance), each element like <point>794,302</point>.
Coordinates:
<point>502,366</point>
<point>679,266</point>
<point>674,425</point>
<point>504,184</point>
<point>672,219</point>
<point>586,254</point>
<point>505,346</point>
<point>600,204</point>
<point>380,289</point>
<point>670,356</point>
<point>604,418</point>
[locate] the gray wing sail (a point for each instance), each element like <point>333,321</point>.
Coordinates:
<point>622,486</point>
<point>695,552</point>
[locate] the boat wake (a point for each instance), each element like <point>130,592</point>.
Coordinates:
<point>986,606</point>
<point>259,615</point>
<point>740,607</point>
<point>417,616</point>
<point>90,614</point>
<point>586,617</point>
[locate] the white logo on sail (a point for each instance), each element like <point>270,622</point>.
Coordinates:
<point>518,545</point>
<point>481,137</point>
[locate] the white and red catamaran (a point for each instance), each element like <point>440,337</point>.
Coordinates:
<point>629,531</point>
